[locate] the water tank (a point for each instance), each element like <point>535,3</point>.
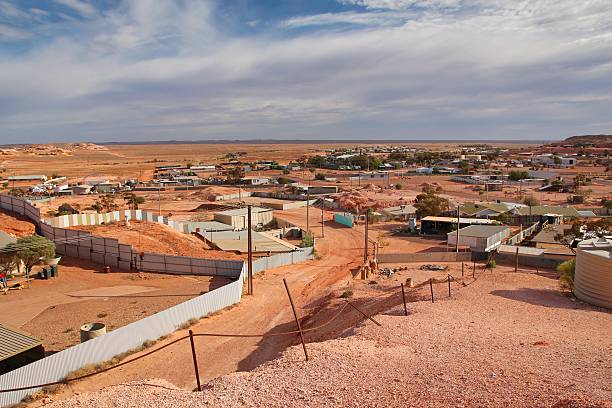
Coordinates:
<point>92,330</point>
<point>593,278</point>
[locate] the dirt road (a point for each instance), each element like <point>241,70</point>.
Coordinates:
<point>267,312</point>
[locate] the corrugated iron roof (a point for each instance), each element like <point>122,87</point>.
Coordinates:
<point>6,239</point>
<point>13,342</point>
<point>462,220</point>
<point>479,231</point>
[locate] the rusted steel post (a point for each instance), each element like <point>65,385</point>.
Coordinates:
<point>250,251</point>
<point>297,321</point>
<point>195,360</point>
<point>449,292</point>
<point>474,270</point>
<point>364,315</point>
<point>462,269</point>
<point>431,289</point>
<point>404,299</point>
<point>516,260</point>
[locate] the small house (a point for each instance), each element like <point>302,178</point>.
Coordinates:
<point>480,238</point>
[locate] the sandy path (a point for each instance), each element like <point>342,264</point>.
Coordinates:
<point>266,312</point>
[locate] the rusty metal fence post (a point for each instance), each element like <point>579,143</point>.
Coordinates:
<point>195,360</point>
<point>404,299</point>
<point>431,289</point>
<point>297,321</point>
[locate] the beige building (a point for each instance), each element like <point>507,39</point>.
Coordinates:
<point>237,218</point>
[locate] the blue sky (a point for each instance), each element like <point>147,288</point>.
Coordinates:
<point>115,70</point>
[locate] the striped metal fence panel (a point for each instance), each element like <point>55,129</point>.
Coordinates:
<point>95,351</point>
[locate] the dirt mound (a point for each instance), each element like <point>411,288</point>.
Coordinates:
<point>15,224</point>
<point>159,238</point>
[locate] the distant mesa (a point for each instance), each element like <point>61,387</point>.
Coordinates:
<point>601,141</point>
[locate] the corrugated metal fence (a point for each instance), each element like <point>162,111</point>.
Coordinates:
<point>100,349</point>
<point>109,251</point>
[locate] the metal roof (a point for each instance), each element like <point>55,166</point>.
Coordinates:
<point>238,241</point>
<point>210,226</point>
<point>244,211</point>
<point>28,177</point>
<point>480,231</point>
<point>406,209</point>
<point>462,220</point>
<point>549,232</point>
<point>13,342</point>
<point>6,239</point>
<point>548,209</point>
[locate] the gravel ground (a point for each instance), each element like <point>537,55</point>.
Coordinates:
<point>506,340</point>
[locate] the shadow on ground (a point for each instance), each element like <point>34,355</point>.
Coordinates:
<point>542,297</point>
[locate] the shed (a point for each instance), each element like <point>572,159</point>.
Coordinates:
<point>29,177</point>
<point>18,349</point>
<point>400,212</point>
<point>82,189</point>
<point>237,218</point>
<point>480,238</point>
<point>442,225</point>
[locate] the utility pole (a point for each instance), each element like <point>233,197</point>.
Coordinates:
<point>323,217</point>
<point>458,226</point>
<point>365,249</point>
<point>159,200</point>
<point>308,210</point>
<point>250,252</point>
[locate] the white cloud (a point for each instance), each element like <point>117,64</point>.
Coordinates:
<point>82,7</point>
<point>8,33</point>
<point>537,69</point>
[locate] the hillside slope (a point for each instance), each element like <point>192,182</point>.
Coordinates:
<point>506,340</point>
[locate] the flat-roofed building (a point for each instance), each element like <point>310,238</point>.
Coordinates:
<point>237,218</point>
<point>480,238</point>
<point>442,225</point>
<point>28,178</point>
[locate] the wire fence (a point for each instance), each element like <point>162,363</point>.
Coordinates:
<point>388,296</point>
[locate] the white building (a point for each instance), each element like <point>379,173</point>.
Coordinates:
<point>237,218</point>
<point>480,238</point>
<point>554,160</point>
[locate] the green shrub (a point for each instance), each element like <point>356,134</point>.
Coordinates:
<point>491,263</point>
<point>307,240</point>
<point>566,271</point>
<point>346,294</point>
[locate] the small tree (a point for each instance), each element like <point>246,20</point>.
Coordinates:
<point>66,209</point>
<point>307,240</point>
<point>30,250</point>
<point>235,175</point>
<point>516,175</point>
<point>133,200</point>
<point>567,270</point>
<point>531,201</point>
<point>430,204</point>
<point>106,203</point>
<point>398,186</point>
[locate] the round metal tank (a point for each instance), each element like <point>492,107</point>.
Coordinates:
<point>593,278</point>
<point>92,330</point>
